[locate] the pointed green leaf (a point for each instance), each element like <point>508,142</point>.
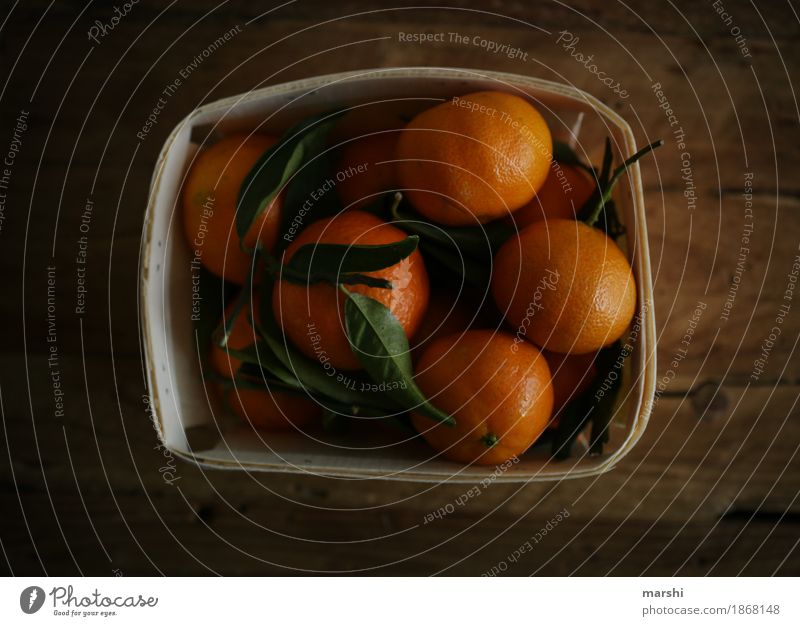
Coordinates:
<point>312,375</point>
<point>276,167</point>
<point>469,270</point>
<point>586,408</point>
<point>349,259</point>
<point>480,241</point>
<point>381,346</point>
<point>310,196</point>
<point>597,204</point>
<point>565,155</point>
<point>359,279</point>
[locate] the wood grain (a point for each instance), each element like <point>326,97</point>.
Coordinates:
<point>712,488</point>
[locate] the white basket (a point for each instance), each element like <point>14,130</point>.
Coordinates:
<point>180,405</point>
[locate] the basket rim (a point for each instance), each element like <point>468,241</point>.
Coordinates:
<point>643,406</point>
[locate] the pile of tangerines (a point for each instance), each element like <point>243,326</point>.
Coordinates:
<point>456,274</point>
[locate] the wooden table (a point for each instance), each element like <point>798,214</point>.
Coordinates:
<point>713,486</point>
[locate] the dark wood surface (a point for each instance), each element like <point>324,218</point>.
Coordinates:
<point>713,486</point>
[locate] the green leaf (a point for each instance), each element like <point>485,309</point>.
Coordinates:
<point>469,271</point>
<point>212,295</point>
<point>605,170</point>
<point>480,241</point>
<point>276,167</point>
<point>361,279</point>
<point>312,375</point>
<point>251,376</point>
<point>609,221</point>
<point>333,279</point>
<point>381,346</point>
<point>573,420</point>
<point>383,205</point>
<point>264,363</point>
<point>608,188</point>
<point>464,251</point>
<point>607,361</point>
<point>335,424</point>
<point>607,180</point>
<point>565,155</point>
<point>223,331</point>
<point>334,258</point>
<point>310,196</point>
<point>292,275</point>
<point>587,408</point>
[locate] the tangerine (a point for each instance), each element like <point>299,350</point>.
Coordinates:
<point>312,316</point>
<point>573,374</point>
<point>368,169</point>
<point>499,392</point>
<point>475,158</point>
<point>210,195</point>
<point>263,408</point>
<point>561,197</point>
<point>272,410</point>
<point>565,286</point>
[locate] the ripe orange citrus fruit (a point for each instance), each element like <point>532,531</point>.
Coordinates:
<point>573,374</point>
<point>272,410</point>
<point>565,286</point>
<point>474,158</point>
<point>448,313</point>
<point>367,168</point>
<point>209,206</point>
<point>312,316</point>
<point>263,408</point>
<point>566,189</point>
<point>499,392</point>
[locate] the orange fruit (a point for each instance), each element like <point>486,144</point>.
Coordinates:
<point>271,410</point>
<point>475,158</point>
<point>565,286</point>
<point>566,189</point>
<point>209,206</point>
<point>573,374</point>
<point>263,408</point>
<point>365,168</point>
<point>448,313</point>
<point>312,316</point>
<point>499,392</point>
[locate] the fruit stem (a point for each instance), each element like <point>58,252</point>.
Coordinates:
<point>608,188</point>
<point>490,440</point>
<point>396,200</point>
